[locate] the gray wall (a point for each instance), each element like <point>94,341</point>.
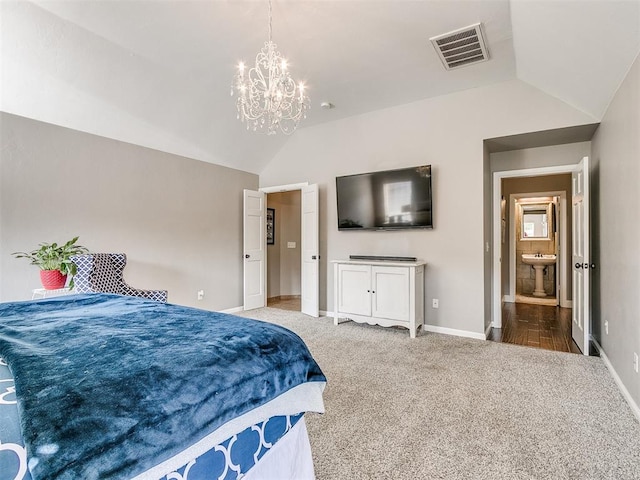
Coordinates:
<point>446,132</point>
<point>178,220</point>
<point>567,154</point>
<point>284,263</point>
<point>615,182</point>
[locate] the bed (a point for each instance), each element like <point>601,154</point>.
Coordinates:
<point>106,386</point>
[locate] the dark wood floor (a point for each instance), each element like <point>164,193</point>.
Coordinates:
<point>538,326</point>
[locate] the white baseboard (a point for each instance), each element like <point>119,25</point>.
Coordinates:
<point>625,393</point>
<point>232,310</point>
<point>241,308</point>
<point>453,331</point>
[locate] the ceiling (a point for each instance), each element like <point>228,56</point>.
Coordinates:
<point>159,73</point>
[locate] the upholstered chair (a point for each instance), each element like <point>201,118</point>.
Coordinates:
<point>102,272</point>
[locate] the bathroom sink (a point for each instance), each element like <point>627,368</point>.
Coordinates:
<point>539,262</point>
<point>533,259</point>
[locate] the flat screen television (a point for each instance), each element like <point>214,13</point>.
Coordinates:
<point>387,200</point>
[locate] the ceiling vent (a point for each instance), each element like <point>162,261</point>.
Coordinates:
<point>461,47</point>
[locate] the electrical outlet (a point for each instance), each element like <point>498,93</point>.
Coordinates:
<point>606,327</point>
<point>200,294</point>
<point>435,303</point>
<point>635,362</point>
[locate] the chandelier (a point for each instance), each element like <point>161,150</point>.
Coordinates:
<point>268,98</point>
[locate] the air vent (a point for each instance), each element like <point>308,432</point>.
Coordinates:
<point>461,47</point>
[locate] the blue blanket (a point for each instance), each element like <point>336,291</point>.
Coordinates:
<point>109,386</point>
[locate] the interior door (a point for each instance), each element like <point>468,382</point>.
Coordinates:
<point>310,251</point>
<point>254,250</point>
<point>580,314</point>
<point>559,253</point>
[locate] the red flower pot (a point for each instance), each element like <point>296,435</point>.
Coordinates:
<point>52,279</point>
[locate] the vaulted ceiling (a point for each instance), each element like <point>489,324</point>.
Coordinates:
<point>159,73</point>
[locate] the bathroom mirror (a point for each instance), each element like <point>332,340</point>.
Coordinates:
<point>536,221</point>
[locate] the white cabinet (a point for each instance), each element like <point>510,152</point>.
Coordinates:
<point>379,293</point>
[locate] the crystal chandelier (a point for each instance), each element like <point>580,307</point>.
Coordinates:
<point>268,99</point>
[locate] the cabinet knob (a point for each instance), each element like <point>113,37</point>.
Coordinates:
<point>247,256</point>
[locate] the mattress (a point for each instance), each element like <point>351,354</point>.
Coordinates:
<point>228,451</point>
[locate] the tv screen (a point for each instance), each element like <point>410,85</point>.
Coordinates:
<point>388,200</point>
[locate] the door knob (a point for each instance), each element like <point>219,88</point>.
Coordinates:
<point>313,257</point>
<point>247,256</point>
<point>578,265</point>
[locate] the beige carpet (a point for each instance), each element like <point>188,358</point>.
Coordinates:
<point>443,407</point>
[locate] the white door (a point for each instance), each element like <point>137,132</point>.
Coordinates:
<point>558,252</point>
<point>310,251</point>
<point>581,257</point>
<point>254,247</point>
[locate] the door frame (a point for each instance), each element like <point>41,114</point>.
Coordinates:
<point>496,237</point>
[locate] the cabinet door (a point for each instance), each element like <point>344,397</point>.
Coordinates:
<point>390,287</point>
<point>354,289</point>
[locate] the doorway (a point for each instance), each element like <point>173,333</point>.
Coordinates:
<point>256,237</point>
<point>284,259</point>
<point>538,225</point>
<point>532,303</point>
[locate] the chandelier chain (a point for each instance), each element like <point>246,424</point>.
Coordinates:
<point>270,21</point>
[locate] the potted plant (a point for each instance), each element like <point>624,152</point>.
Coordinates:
<point>55,262</point>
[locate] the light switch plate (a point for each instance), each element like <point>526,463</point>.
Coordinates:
<point>291,244</point>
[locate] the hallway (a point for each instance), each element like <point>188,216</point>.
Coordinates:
<point>287,302</point>
<point>539,326</point>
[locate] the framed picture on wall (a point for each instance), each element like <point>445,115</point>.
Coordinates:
<point>271,226</point>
